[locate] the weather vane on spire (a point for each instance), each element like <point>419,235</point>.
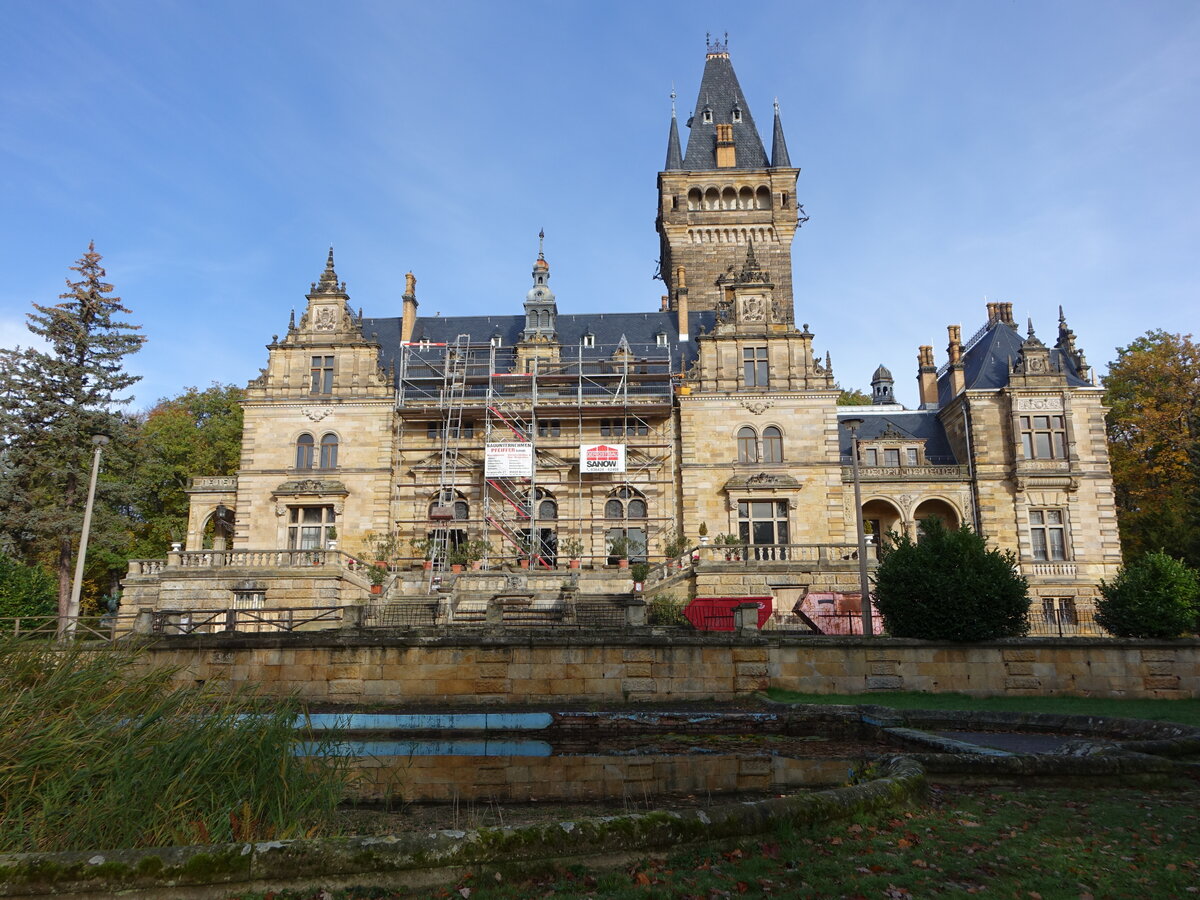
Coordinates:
<point>541,241</point>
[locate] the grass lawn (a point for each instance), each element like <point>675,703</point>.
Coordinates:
<point>1037,843</point>
<point>1185,711</point>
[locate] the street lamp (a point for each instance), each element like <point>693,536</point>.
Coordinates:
<point>864,586</point>
<point>66,628</point>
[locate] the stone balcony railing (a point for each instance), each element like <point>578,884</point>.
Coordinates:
<point>907,473</point>
<point>213,483</point>
<point>1054,570</point>
<point>247,559</point>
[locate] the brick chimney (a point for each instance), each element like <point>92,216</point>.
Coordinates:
<point>927,377</point>
<point>408,320</point>
<point>681,302</point>
<point>958,378</point>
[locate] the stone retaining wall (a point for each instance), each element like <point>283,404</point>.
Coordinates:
<point>549,665</point>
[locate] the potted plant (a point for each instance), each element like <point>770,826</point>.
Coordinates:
<point>524,545</point>
<point>674,543</point>
<point>733,546</point>
<point>618,549</point>
<point>474,551</point>
<point>377,575</point>
<point>457,558</point>
<point>639,572</point>
<point>572,549</point>
<point>703,532</point>
<point>423,548</point>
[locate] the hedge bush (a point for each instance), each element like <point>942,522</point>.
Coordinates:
<point>1155,596</point>
<point>26,590</point>
<point>949,586</point>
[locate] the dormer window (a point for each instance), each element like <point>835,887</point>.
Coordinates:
<point>497,341</point>
<point>660,339</point>
<point>589,340</point>
<point>706,116</point>
<point>737,114</point>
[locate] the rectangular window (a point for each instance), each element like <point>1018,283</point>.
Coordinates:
<point>322,375</point>
<point>433,430</point>
<point>1047,532</point>
<point>253,599</point>
<point>870,457</point>
<point>764,524</point>
<point>912,456</point>
<point>1043,437</point>
<point>891,458</point>
<point>310,527</point>
<point>755,359</point>
<point>549,428</point>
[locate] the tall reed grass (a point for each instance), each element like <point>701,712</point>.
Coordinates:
<point>97,751</point>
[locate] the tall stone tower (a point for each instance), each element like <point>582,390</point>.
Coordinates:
<point>723,195</point>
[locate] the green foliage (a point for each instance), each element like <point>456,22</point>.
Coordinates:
<point>571,548</point>
<point>199,432</point>
<point>1155,596</point>
<point>619,547</point>
<point>675,542</point>
<point>639,571</point>
<point>665,609</point>
<point>1153,395</point>
<point>52,402</point>
<point>25,590</point>
<point>98,751</point>
<point>949,586</point>
<point>852,397</point>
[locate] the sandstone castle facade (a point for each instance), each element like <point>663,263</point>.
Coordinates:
<point>536,437</point>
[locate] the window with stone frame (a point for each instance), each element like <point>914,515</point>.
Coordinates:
<point>251,598</point>
<point>772,444</point>
<point>747,445</point>
<point>1048,534</point>
<point>1044,437</point>
<point>329,451</point>
<point>322,375</point>
<point>757,371</point>
<point>310,527</point>
<point>763,522</point>
<point>305,455</point>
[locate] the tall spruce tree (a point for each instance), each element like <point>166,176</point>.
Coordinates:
<point>52,402</point>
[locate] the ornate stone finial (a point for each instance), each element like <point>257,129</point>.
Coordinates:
<point>541,243</point>
<point>776,106</point>
<point>1030,335</point>
<point>828,359</point>
<point>292,321</point>
<point>328,283</point>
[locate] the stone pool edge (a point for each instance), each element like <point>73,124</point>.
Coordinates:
<point>219,870</point>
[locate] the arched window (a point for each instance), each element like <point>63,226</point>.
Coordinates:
<point>547,509</point>
<point>304,451</point>
<point>772,439</point>
<point>746,198</point>
<point>694,198</point>
<point>763,197</point>
<point>462,510</point>
<point>329,448</point>
<point>729,198</point>
<point>637,509</point>
<point>747,442</point>
<point>614,509</point>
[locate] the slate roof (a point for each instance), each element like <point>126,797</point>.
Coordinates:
<point>639,329</point>
<point>674,156</point>
<point>987,363</point>
<point>779,151</point>
<point>720,92</point>
<point>918,424</point>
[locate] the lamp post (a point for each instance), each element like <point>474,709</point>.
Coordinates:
<point>864,585</point>
<point>66,628</point>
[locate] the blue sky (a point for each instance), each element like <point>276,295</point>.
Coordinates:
<point>951,153</point>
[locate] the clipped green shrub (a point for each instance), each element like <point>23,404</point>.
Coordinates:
<point>26,590</point>
<point>665,609</point>
<point>949,586</point>
<point>97,751</point>
<point>1155,596</point>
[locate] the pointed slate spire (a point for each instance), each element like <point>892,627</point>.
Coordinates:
<point>720,102</point>
<point>674,154</point>
<point>779,154</point>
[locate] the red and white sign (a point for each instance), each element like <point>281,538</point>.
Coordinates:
<point>601,457</point>
<point>513,460</point>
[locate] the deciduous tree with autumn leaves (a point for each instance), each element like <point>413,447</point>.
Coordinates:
<point>1153,391</point>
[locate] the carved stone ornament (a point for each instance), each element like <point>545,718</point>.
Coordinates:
<point>326,319</point>
<point>906,501</point>
<point>317,413</point>
<point>758,407</point>
<point>754,309</point>
<point>1040,404</point>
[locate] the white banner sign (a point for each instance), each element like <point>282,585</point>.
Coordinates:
<point>508,461</point>
<point>601,457</point>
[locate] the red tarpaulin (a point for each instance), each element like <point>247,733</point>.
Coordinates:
<point>716,613</point>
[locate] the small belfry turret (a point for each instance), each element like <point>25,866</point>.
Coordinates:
<point>883,387</point>
<point>725,193</point>
<point>541,310</point>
